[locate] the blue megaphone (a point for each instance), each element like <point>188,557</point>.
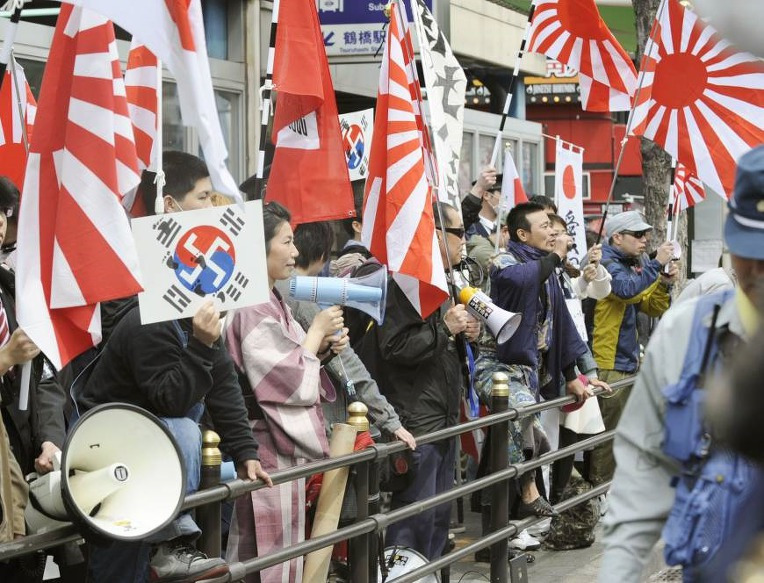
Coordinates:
<point>367,293</point>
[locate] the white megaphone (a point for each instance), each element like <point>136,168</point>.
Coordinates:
<point>501,323</point>
<point>121,476</point>
<point>367,293</point>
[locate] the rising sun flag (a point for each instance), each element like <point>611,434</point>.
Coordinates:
<point>572,32</point>
<point>701,100</point>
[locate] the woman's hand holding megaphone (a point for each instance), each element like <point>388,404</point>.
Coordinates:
<point>339,341</point>
<point>323,330</point>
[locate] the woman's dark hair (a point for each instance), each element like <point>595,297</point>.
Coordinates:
<point>274,215</point>
<point>518,218</point>
<point>569,268</point>
<point>314,241</point>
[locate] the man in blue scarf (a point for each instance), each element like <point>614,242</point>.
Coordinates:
<point>546,344</point>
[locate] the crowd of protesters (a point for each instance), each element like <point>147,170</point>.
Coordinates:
<point>272,378</point>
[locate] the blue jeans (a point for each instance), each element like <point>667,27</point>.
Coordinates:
<point>427,532</point>
<point>128,562</point>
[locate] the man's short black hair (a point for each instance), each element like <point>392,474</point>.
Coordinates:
<point>9,197</point>
<point>443,207</point>
<point>544,201</point>
<point>518,218</point>
<point>181,171</point>
<point>314,241</point>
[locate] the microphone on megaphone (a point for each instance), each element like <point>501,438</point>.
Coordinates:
<point>107,483</point>
<point>367,293</point>
<point>501,323</point>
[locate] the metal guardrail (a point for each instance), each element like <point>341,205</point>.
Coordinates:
<point>371,523</point>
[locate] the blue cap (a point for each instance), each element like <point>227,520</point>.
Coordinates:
<point>744,228</point>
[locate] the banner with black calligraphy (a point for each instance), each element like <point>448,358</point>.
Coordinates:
<point>569,196</point>
<point>189,257</point>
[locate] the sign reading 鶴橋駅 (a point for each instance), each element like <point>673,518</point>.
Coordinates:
<point>354,27</point>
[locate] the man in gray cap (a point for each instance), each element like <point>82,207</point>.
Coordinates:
<point>639,284</point>
<point>674,479</point>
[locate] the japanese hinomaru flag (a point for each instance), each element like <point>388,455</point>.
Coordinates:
<point>569,196</point>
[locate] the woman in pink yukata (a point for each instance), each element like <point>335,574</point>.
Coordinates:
<point>282,364</point>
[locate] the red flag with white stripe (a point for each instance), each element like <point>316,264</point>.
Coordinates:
<point>701,99</point>
<point>141,84</point>
<point>573,32</point>
<point>309,173</point>
<point>689,188</point>
<point>398,222</point>
<point>75,248</point>
<point>13,153</point>
<point>174,31</point>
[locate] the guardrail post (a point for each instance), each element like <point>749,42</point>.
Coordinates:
<point>499,460</point>
<point>208,516</point>
<point>358,549</point>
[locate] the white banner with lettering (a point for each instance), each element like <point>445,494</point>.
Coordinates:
<point>569,196</point>
<point>190,257</point>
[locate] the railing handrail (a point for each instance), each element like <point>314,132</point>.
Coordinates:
<point>374,523</point>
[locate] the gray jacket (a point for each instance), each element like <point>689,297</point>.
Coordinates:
<point>381,413</point>
<point>641,495</point>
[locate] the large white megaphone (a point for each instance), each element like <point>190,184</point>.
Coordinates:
<point>121,476</point>
<point>501,323</point>
<point>367,293</point>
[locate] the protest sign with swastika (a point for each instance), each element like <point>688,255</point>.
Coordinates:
<point>190,257</point>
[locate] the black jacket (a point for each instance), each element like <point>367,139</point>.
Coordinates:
<point>415,364</point>
<point>149,366</point>
<point>43,420</point>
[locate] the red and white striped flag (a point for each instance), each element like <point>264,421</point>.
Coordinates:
<point>573,32</point>
<point>13,153</point>
<point>142,100</point>
<point>398,222</point>
<point>75,248</point>
<point>141,84</point>
<point>701,99</point>
<point>174,31</point>
<point>689,188</point>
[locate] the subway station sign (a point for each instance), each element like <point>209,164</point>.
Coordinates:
<point>354,27</point>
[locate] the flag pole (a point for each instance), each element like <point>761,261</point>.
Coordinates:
<point>648,49</point>
<point>17,91</point>
<point>503,202</point>
<point>10,38</point>
<point>159,178</point>
<point>512,83</point>
<point>265,105</point>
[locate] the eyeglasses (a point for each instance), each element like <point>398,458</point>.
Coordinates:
<point>457,231</point>
<point>635,234</point>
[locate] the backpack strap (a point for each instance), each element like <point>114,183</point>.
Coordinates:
<point>686,438</point>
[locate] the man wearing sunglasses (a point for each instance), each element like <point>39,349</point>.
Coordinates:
<point>639,284</point>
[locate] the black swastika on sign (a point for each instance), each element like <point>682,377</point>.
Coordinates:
<point>176,298</point>
<point>167,230</point>
<point>232,222</point>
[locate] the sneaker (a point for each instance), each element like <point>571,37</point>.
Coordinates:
<point>602,499</point>
<point>182,563</point>
<point>525,542</point>
<point>540,528</point>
